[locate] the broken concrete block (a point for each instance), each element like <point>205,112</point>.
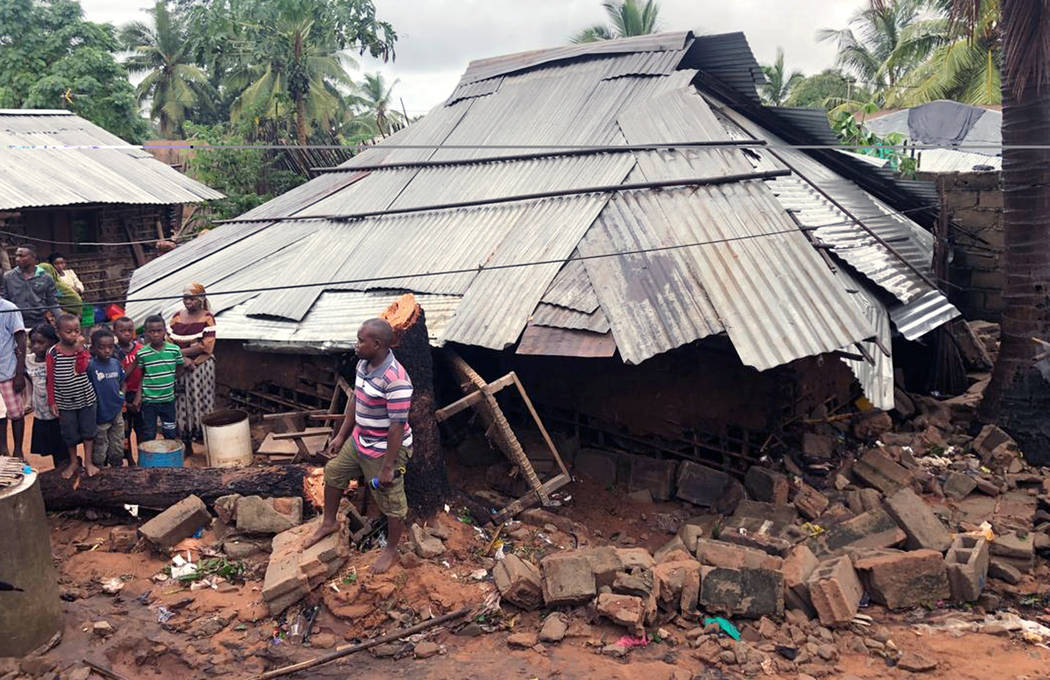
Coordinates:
<point>597,465</point>
<point>1004,571</point>
<point>652,474</point>
<point>226,508</point>
<point>293,570</point>
<point>869,425</point>
<point>967,562</point>
<point>554,628</point>
<point>923,528</point>
<point>258,515</point>
<point>624,610</point>
<point>242,548</point>
<point>810,503</point>
<point>777,513</point>
<point>425,545</point>
<point>906,579</point>
<point>283,576</point>
<point>635,557</point>
<point>177,522</point>
<point>567,579</point>
<point>1014,546</point>
<point>872,529</point>
<point>639,582</point>
<point>722,554</point>
<point>518,582</point>
<point>797,568</point>
<point>989,439</point>
<point>819,446</point>
<point>766,485</point>
<point>835,591</point>
<point>688,603</point>
<point>701,485</point>
<point>674,544</point>
<point>870,499</point>
<point>958,486</point>
<point>756,533</point>
<point>668,580</point>
<point>879,471</point>
<point>123,539</point>
<point>604,563</point>
<point>748,593</point>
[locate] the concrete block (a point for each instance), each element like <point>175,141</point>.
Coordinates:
<point>909,579</point>
<point>669,579</point>
<point>722,554</point>
<point>967,562</point>
<point>1004,571</point>
<point>764,535</point>
<point>869,425</point>
<point>425,545</point>
<point>798,567</point>
<point>567,579</point>
<point>597,465</point>
<point>123,539</point>
<point>688,603</point>
<point>810,502</point>
<point>639,582</point>
<point>257,515</point>
<point>701,485</point>
<point>519,582</point>
<point>765,485</point>
<point>747,593</point>
<point>604,563</point>
<point>652,474</point>
<point>672,545</point>
<point>872,529</point>
<point>913,515</point>
<point>177,522</point>
<point>990,438</point>
<point>835,591</point>
<point>635,557</point>
<point>283,576</point>
<point>879,471</point>
<point>624,610</point>
<point>958,486</point>
<point>779,513</point>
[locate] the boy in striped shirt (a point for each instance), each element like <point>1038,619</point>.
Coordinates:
<point>70,394</point>
<point>160,361</point>
<point>374,440</point>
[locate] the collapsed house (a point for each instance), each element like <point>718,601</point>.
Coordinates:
<point>67,185</point>
<point>622,223</point>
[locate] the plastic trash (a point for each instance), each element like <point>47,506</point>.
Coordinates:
<point>630,641</point>
<point>164,614</point>
<point>727,627</point>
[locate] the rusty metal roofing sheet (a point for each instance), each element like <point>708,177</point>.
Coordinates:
<point>483,69</point>
<point>35,176</point>
<point>572,289</point>
<point>773,294</point>
<point>563,342</point>
<point>563,317</point>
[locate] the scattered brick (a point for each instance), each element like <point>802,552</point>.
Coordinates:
<point>835,591</point>
<point>906,579</point>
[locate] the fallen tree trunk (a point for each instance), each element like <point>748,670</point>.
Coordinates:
<point>159,488</point>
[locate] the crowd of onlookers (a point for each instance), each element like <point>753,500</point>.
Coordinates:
<point>92,383</point>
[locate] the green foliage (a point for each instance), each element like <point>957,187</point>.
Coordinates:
<point>826,90</point>
<point>51,58</point>
<point>853,133</point>
<point>778,83</point>
<point>247,176</point>
<point>627,18</point>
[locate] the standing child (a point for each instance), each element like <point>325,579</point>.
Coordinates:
<point>161,361</point>
<point>47,435</point>
<point>127,348</point>
<point>70,394</point>
<point>107,377</point>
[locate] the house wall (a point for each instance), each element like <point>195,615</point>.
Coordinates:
<point>975,203</point>
<point>105,271</point>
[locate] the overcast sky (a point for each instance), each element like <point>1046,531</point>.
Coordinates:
<point>437,38</point>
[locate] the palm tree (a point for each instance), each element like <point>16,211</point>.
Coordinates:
<point>628,18</point>
<point>173,84</point>
<point>964,66</point>
<point>375,97</point>
<point>293,69</point>
<point>883,44</point>
<point>778,83</point>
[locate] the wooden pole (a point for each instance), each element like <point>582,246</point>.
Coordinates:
<point>347,650</point>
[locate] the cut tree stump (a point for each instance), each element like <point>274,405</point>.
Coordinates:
<point>426,479</point>
<point>159,488</point>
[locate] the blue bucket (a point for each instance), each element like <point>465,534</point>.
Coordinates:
<point>161,453</point>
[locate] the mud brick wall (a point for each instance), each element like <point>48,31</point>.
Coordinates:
<point>975,202</point>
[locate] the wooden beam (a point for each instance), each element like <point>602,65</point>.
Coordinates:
<point>443,414</point>
<point>531,498</point>
<point>539,423</point>
<point>281,416</point>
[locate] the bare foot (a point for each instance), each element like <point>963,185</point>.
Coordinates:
<point>385,560</point>
<point>71,469</point>
<point>323,530</point>
<point>91,468</point>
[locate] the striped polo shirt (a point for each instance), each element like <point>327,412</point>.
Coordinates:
<point>158,372</point>
<point>68,385</point>
<point>381,396</point>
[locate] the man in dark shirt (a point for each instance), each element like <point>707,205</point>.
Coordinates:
<point>29,286</point>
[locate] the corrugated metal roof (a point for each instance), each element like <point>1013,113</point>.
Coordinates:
<point>563,342</point>
<point>876,379</point>
<point>727,57</point>
<point>476,89</point>
<point>37,177</point>
<point>922,315</point>
<point>563,317</point>
<point>572,289</point>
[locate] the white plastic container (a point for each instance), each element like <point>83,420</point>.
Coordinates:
<point>228,438</point>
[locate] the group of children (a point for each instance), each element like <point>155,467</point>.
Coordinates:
<point>82,393</point>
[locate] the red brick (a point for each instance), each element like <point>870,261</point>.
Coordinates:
<point>723,554</point>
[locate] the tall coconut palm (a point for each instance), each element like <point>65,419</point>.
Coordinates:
<point>1018,396</point>
<point>882,44</point>
<point>628,17</point>
<point>294,71</point>
<point>375,97</point>
<point>173,84</point>
<point>964,65</point>
<point>778,83</point>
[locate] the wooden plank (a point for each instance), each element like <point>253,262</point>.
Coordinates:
<point>498,384</point>
<point>539,423</point>
<point>282,416</point>
<point>531,498</point>
<point>455,407</point>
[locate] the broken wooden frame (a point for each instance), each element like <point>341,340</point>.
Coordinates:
<point>292,420</point>
<point>480,395</point>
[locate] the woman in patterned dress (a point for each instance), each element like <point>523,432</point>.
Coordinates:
<point>193,330</point>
